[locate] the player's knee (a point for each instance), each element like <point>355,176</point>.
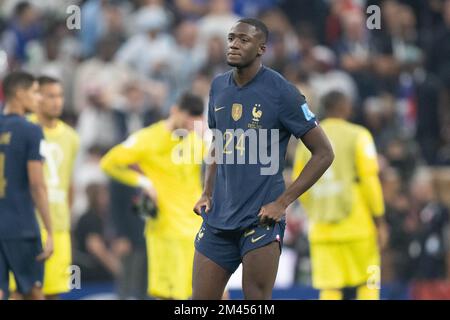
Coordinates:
<point>1,294</point>
<point>35,294</point>
<point>257,290</point>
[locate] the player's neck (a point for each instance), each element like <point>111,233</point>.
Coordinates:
<point>170,125</point>
<point>47,122</point>
<point>14,108</point>
<point>243,75</point>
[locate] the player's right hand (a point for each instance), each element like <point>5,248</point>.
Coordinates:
<point>205,201</point>
<point>48,250</point>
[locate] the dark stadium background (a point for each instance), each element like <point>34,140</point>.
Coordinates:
<point>116,81</point>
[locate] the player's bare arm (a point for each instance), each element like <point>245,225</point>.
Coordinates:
<point>38,190</point>
<point>210,174</point>
<point>321,158</point>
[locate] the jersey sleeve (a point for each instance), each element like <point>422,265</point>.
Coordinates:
<point>211,116</point>
<point>35,143</point>
<point>367,171</point>
<point>117,161</point>
<point>295,115</point>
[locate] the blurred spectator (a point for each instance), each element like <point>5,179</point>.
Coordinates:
<point>23,27</point>
<point>99,18</point>
<point>97,261</point>
<point>151,39</point>
<point>218,21</point>
<point>430,223</point>
<point>324,78</point>
<point>100,74</point>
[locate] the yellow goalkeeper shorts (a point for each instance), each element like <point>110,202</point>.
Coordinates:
<point>337,265</point>
<point>170,263</point>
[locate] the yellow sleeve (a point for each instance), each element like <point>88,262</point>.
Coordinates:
<point>117,161</point>
<point>367,171</point>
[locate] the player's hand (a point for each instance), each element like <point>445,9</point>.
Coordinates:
<point>48,250</point>
<point>151,192</point>
<point>122,247</point>
<point>205,201</point>
<point>383,235</point>
<point>271,213</point>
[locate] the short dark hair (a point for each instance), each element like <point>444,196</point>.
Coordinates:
<point>43,80</point>
<point>258,24</point>
<point>191,103</point>
<point>21,8</point>
<point>17,80</point>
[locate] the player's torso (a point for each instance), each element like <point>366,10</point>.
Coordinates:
<point>337,191</point>
<point>251,156</point>
<point>16,205</point>
<point>174,166</point>
<point>59,151</point>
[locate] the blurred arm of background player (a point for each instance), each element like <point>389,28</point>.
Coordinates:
<point>367,171</point>
<point>39,193</point>
<point>210,175</point>
<point>116,163</point>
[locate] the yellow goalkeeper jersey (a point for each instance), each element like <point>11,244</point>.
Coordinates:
<point>342,204</point>
<point>60,151</point>
<point>174,167</point>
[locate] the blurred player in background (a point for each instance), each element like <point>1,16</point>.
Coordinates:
<point>345,209</point>
<point>22,186</point>
<point>61,147</point>
<point>173,185</point>
<point>244,209</point>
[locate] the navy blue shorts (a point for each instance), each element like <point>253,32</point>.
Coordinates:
<point>19,257</point>
<point>227,248</point>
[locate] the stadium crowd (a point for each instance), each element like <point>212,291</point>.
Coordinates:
<point>129,61</point>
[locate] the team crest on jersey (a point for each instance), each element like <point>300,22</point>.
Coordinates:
<point>256,113</point>
<point>236,111</point>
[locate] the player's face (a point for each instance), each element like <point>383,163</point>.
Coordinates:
<point>245,44</point>
<point>30,98</point>
<point>189,122</point>
<point>52,100</point>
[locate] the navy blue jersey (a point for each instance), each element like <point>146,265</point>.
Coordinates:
<point>267,110</point>
<point>20,142</point>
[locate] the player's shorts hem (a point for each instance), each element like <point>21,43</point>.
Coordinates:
<point>280,245</point>
<point>216,262</point>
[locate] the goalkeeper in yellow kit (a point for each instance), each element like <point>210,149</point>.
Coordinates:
<point>171,175</point>
<point>345,209</point>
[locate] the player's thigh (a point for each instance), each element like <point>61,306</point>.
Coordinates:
<point>21,255</point>
<point>209,278</point>
<point>57,267</point>
<point>260,267</point>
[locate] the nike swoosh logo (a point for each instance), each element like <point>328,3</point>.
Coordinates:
<point>217,109</point>
<point>249,233</point>
<point>257,239</point>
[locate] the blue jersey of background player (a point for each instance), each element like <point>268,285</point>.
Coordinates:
<point>22,187</point>
<point>243,208</point>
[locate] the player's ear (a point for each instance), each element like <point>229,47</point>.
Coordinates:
<point>261,49</point>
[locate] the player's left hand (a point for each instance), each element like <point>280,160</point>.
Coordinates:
<point>48,249</point>
<point>271,213</point>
